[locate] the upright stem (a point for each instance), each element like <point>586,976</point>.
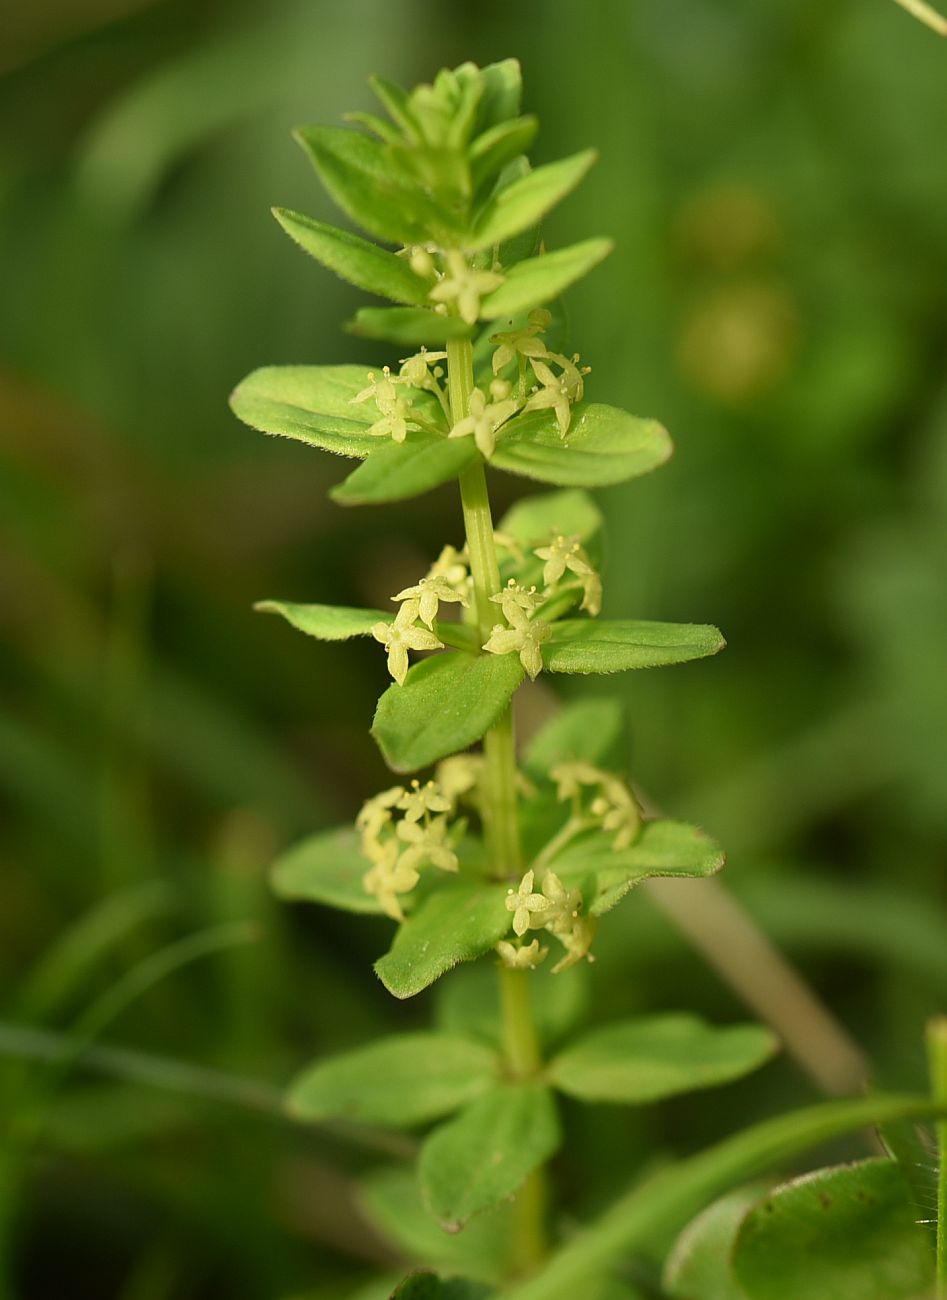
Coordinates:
<point>937,1059</point>
<point>519,1036</point>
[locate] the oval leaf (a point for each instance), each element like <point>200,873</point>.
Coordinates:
<point>642,1060</point>
<point>311,404</point>
<point>412,326</point>
<point>579,645</point>
<point>699,1263</point>
<point>447,702</point>
<point>355,170</point>
<point>540,279</point>
<point>357,260</point>
<point>454,923</point>
<point>391,1200</point>
<point>325,622</point>
<point>325,868</point>
<point>397,470</point>
<point>486,1153</point>
<point>848,1233</point>
<point>401,1081</point>
<point>663,848</point>
<point>587,731</point>
<point>604,445</point>
<point>571,511</point>
<point>521,204</point>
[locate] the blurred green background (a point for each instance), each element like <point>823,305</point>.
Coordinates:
<point>774,178</point>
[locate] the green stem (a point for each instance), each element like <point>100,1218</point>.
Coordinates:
<point>937,1059</point>
<point>519,1035</point>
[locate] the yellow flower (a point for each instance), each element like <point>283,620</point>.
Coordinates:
<point>401,636</point>
<point>554,394</point>
<point>464,287</point>
<point>525,637</point>
<point>521,343</point>
<point>521,956</point>
<point>388,877</point>
<point>428,593</point>
<point>483,421</point>
<point>515,597</point>
<point>422,799</point>
<point>427,843</point>
<point>564,553</point>
<point>527,907</point>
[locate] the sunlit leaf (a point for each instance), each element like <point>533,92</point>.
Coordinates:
<point>540,279</point>
<point>354,259</point>
<point>522,204</point>
<point>447,702</point>
<point>499,145</point>
<point>641,1060</point>
<point>356,171</point>
<point>325,622</point>
<point>401,1081</point>
<point>311,404</point>
<point>395,471</point>
<point>454,923</point>
<point>486,1153</point>
<point>579,645</point>
<point>604,445</point>
<point>847,1233</point>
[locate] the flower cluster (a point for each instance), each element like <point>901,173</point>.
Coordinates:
<point>399,847</point>
<point>555,908</point>
<point>446,581</point>
<point>525,348</point>
<point>525,632</point>
<point>612,805</point>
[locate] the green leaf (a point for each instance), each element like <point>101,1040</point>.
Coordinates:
<point>572,511</point>
<point>522,204</point>
<point>585,645</point>
<point>400,1081</point>
<point>325,868</point>
<point>412,326</point>
<point>502,90</point>
<point>391,1201</point>
<point>311,404</point>
<point>395,471</point>
<point>428,1286</point>
<point>604,445</point>
<point>487,1152</point>
<point>325,622</point>
<point>356,171</point>
<point>499,145</point>
<point>666,1200</point>
<point>587,731</point>
<point>455,923</point>
<point>540,279</point>
<point>447,702</point>
<point>700,1263</point>
<point>645,1059</point>
<point>663,848</point>
<point>848,1233</point>
<point>361,263</point>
